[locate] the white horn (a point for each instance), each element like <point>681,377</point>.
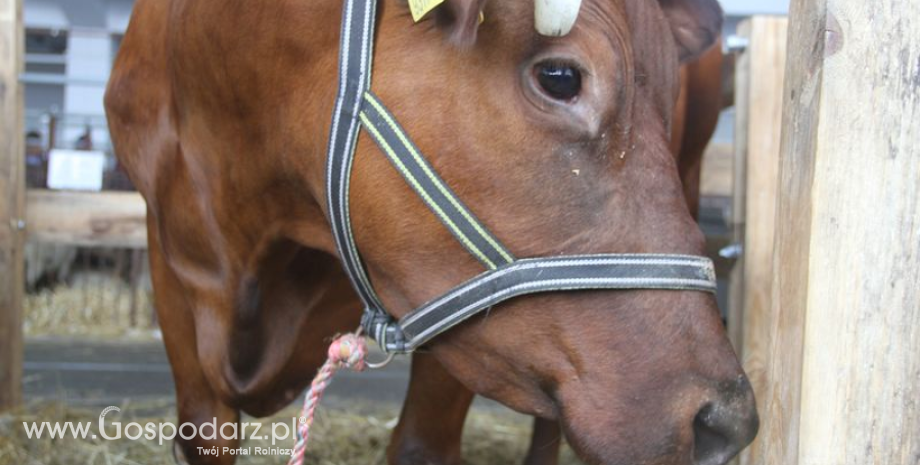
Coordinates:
<point>555,18</point>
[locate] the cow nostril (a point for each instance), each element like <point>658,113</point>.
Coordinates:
<point>721,431</point>
<point>710,446</point>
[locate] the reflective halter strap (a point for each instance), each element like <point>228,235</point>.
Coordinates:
<point>505,276</point>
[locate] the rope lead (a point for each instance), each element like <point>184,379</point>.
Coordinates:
<point>346,351</point>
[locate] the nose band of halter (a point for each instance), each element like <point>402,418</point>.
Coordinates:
<point>505,277</point>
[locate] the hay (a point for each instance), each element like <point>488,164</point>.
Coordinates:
<point>94,304</point>
<point>353,436</point>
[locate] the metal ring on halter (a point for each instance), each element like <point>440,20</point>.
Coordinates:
<point>385,362</point>
<point>373,366</point>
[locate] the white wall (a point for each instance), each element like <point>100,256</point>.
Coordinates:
<point>45,14</point>
<point>89,26</point>
<point>89,60</point>
<point>754,7</point>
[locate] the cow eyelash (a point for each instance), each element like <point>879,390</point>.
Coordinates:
<point>563,63</point>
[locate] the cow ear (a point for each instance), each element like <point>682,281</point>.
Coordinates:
<point>695,24</point>
<point>460,20</point>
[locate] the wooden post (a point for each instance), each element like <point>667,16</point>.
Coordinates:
<point>843,366</point>
<point>12,194</point>
<point>87,219</point>
<point>739,191</point>
<point>757,132</point>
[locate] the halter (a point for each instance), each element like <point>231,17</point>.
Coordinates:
<point>505,276</point>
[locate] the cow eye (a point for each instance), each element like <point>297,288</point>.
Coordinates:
<point>560,81</point>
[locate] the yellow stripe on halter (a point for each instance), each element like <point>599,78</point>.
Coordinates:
<point>436,180</point>
<point>428,200</point>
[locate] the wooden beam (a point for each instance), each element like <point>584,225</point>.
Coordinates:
<point>716,178</point>
<point>89,219</point>
<point>12,185</point>
<point>766,61</point>
<point>735,314</point>
<point>844,354</point>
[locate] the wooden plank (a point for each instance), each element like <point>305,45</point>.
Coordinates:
<point>716,179</point>
<point>735,314</point>
<point>777,441</point>
<point>766,55</point>
<point>844,365</point>
<point>12,186</point>
<point>90,219</point>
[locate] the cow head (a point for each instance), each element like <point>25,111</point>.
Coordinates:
<point>559,142</point>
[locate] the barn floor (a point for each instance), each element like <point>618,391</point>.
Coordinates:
<point>73,380</point>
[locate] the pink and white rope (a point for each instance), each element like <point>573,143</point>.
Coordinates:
<point>348,351</point>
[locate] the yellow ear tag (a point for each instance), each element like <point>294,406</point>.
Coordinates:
<point>482,17</point>
<point>420,8</point>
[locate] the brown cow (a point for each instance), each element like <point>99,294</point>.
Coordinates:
<point>220,111</point>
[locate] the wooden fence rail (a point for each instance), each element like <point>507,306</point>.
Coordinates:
<point>103,219</point>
